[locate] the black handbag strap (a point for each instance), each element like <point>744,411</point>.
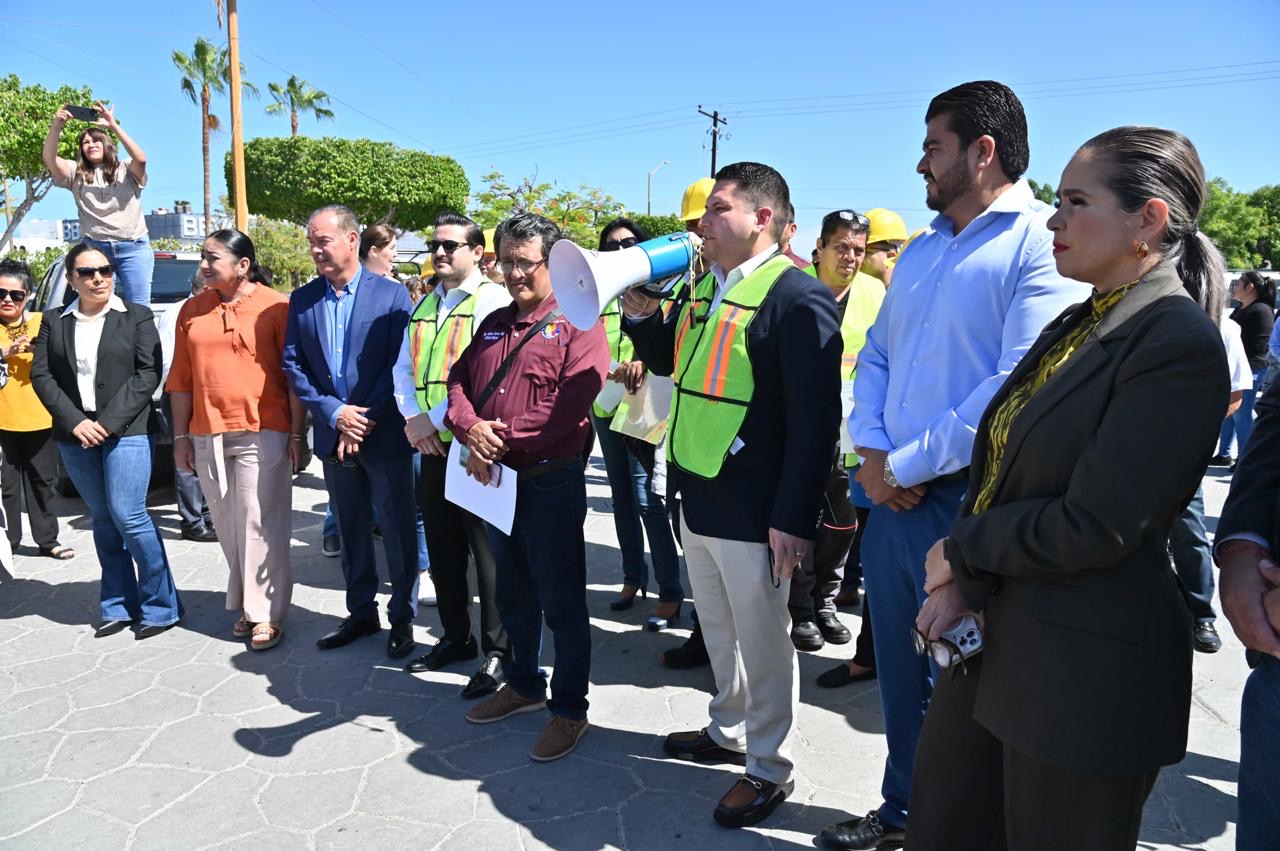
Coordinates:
<point>505,366</point>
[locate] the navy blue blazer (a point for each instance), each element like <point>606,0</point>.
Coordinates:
<point>378,324</point>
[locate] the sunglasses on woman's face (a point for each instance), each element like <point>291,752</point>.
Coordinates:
<point>619,244</point>
<point>89,271</point>
<point>15,296</point>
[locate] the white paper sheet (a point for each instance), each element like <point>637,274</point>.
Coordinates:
<point>644,414</point>
<point>846,409</point>
<point>494,505</point>
<point>610,395</point>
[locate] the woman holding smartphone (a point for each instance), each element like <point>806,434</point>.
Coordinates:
<point>108,195</point>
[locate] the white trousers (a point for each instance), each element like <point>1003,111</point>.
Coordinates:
<point>747,629</point>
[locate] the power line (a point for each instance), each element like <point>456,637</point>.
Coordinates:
<point>95,27</point>
<point>716,121</point>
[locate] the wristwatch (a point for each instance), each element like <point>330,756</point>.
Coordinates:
<point>889,478</point>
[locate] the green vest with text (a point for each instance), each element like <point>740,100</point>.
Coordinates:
<point>620,348</point>
<point>714,381</point>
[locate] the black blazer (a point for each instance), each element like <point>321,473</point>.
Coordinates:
<point>1087,663</point>
<point>1256,322</point>
<point>128,371</point>
<point>1253,506</point>
<point>778,478</point>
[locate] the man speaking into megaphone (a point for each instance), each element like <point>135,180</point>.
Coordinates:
<point>755,354</point>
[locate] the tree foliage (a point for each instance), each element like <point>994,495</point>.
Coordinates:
<point>1267,199</point>
<point>282,247</point>
<point>658,225</point>
<point>296,97</point>
<point>1043,192</point>
<point>289,178</point>
<point>25,114</point>
<point>39,261</point>
<point>1233,225</point>
<point>580,212</point>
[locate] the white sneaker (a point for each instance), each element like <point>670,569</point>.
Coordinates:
<point>426,589</point>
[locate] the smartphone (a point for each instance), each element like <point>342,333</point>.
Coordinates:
<point>83,113</point>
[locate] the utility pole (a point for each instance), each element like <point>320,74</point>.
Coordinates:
<point>716,121</point>
<point>648,204</point>
<point>237,123</point>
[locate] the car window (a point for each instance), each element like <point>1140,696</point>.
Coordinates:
<point>171,281</point>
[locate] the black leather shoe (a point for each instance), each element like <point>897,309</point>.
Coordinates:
<point>486,680</point>
<point>201,534</point>
<point>863,833</point>
<point>697,746</point>
<point>110,628</point>
<point>840,676</point>
<point>768,796</point>
<point>152,630</point>
<point>400,642</point>
<point>442,653</point>
<point>805,635</point>
<point>348,631</point>
<point>1206,637</point>
<point>832,630</point>
<point>1220,460</point>
<point>691,654</point>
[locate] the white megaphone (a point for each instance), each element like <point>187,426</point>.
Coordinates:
<point>585,281</point>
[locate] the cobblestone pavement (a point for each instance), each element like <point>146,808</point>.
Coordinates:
<point>189,740</point>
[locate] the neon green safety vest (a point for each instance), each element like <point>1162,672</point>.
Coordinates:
<point>434,347</point>
<point>621,349</point>
<point>714,381</point>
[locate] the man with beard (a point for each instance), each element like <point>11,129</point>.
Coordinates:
<point>966,303</point>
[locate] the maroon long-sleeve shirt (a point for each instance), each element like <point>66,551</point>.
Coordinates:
<point>546,395</point>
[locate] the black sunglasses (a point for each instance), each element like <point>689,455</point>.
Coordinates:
<point>15,296</point>
<point>619,244</point>
<point>448,245</point>
<point>88,271</point>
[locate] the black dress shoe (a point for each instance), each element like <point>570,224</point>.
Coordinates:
<point>863,833</point>
<point>832,630</point>
<point>348,631</point>
<point>700,747</point>
<point>840,676</point>
<point>768,796</point>
<point>486,680</point>
<point>400,642</point>
<point>442,653</point>
<point>1220,460</point>
<point>201,534</point>
<point>1206,637</point>
<point>152,630</point>
<point>806,636</point>
<point>691,654</point>
<point>110,628</point>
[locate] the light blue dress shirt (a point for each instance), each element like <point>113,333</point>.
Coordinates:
<point>337,315</point>
<point>961,312</point>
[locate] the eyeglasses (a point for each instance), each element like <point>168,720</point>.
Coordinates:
<point>619,244</point>
<point>15,296</point>
<point>90,271</point>
<point>448,245</point>
<point>524,267</point>
<point>853,217</point>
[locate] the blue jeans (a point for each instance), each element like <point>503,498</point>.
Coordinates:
<point>424,561</point>
<point>1258,795</point>
<point>134,262</point>
<point>893,551</point>
<point>542,573</point>
<point>1193,559</point>
<point>112,479</point>
<point>1240,424</point>
<point>634,502</point>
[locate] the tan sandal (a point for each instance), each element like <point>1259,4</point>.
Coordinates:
<point>265,636</point>
<point>243,628</point>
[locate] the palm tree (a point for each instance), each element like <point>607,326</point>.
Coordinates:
<point>205,72</point>
<point>298,96</point>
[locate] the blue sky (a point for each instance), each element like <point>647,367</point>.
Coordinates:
<point>832,94</point>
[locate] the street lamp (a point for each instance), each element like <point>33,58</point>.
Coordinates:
<point>648,204</point>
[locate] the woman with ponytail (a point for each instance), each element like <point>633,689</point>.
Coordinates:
<point>238,426</point>
<point>1052,735</point>
<point>1256,318</point>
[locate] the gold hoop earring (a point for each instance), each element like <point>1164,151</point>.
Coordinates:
<point>1143,250</point>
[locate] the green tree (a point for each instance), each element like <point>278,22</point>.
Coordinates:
<point>282,247</point>
<point>658,225</point>
<point>1044,192</point>
<point>1232,224</point>
<point>298,96</point>
<point>39,261</point>
<point>1267,199</point>
<point>25,113</point>
<point>579,213</point>
<point>206,71</point>
<point>290,177</point>
<point>168,243</point>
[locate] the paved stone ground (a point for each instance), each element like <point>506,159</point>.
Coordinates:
<point>189,740</point>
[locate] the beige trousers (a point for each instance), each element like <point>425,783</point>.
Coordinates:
<point>247,480</point>
<point>747,629</point>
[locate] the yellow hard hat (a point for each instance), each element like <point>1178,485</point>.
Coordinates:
<point>694,203</point>
<point>886,226</point>
<point>489,234</point>
<point>903,247</point>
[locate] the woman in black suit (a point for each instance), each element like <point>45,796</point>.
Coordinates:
<point>96,365</point>
<point>1052,736</point>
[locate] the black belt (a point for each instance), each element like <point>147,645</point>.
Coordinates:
<point>528,474</point>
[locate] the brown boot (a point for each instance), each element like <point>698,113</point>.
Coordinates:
<point>504,704</point>
<point>558,738</point>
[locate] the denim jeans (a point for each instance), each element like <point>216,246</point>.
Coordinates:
<point>134,262</point>
<point>424,561</point>
<point>542,573</point>
<point>1258,795</point>
<point>112,479</point>
<point>1193,559</point>
<point>1240,424</point>
<point>634,503</point>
